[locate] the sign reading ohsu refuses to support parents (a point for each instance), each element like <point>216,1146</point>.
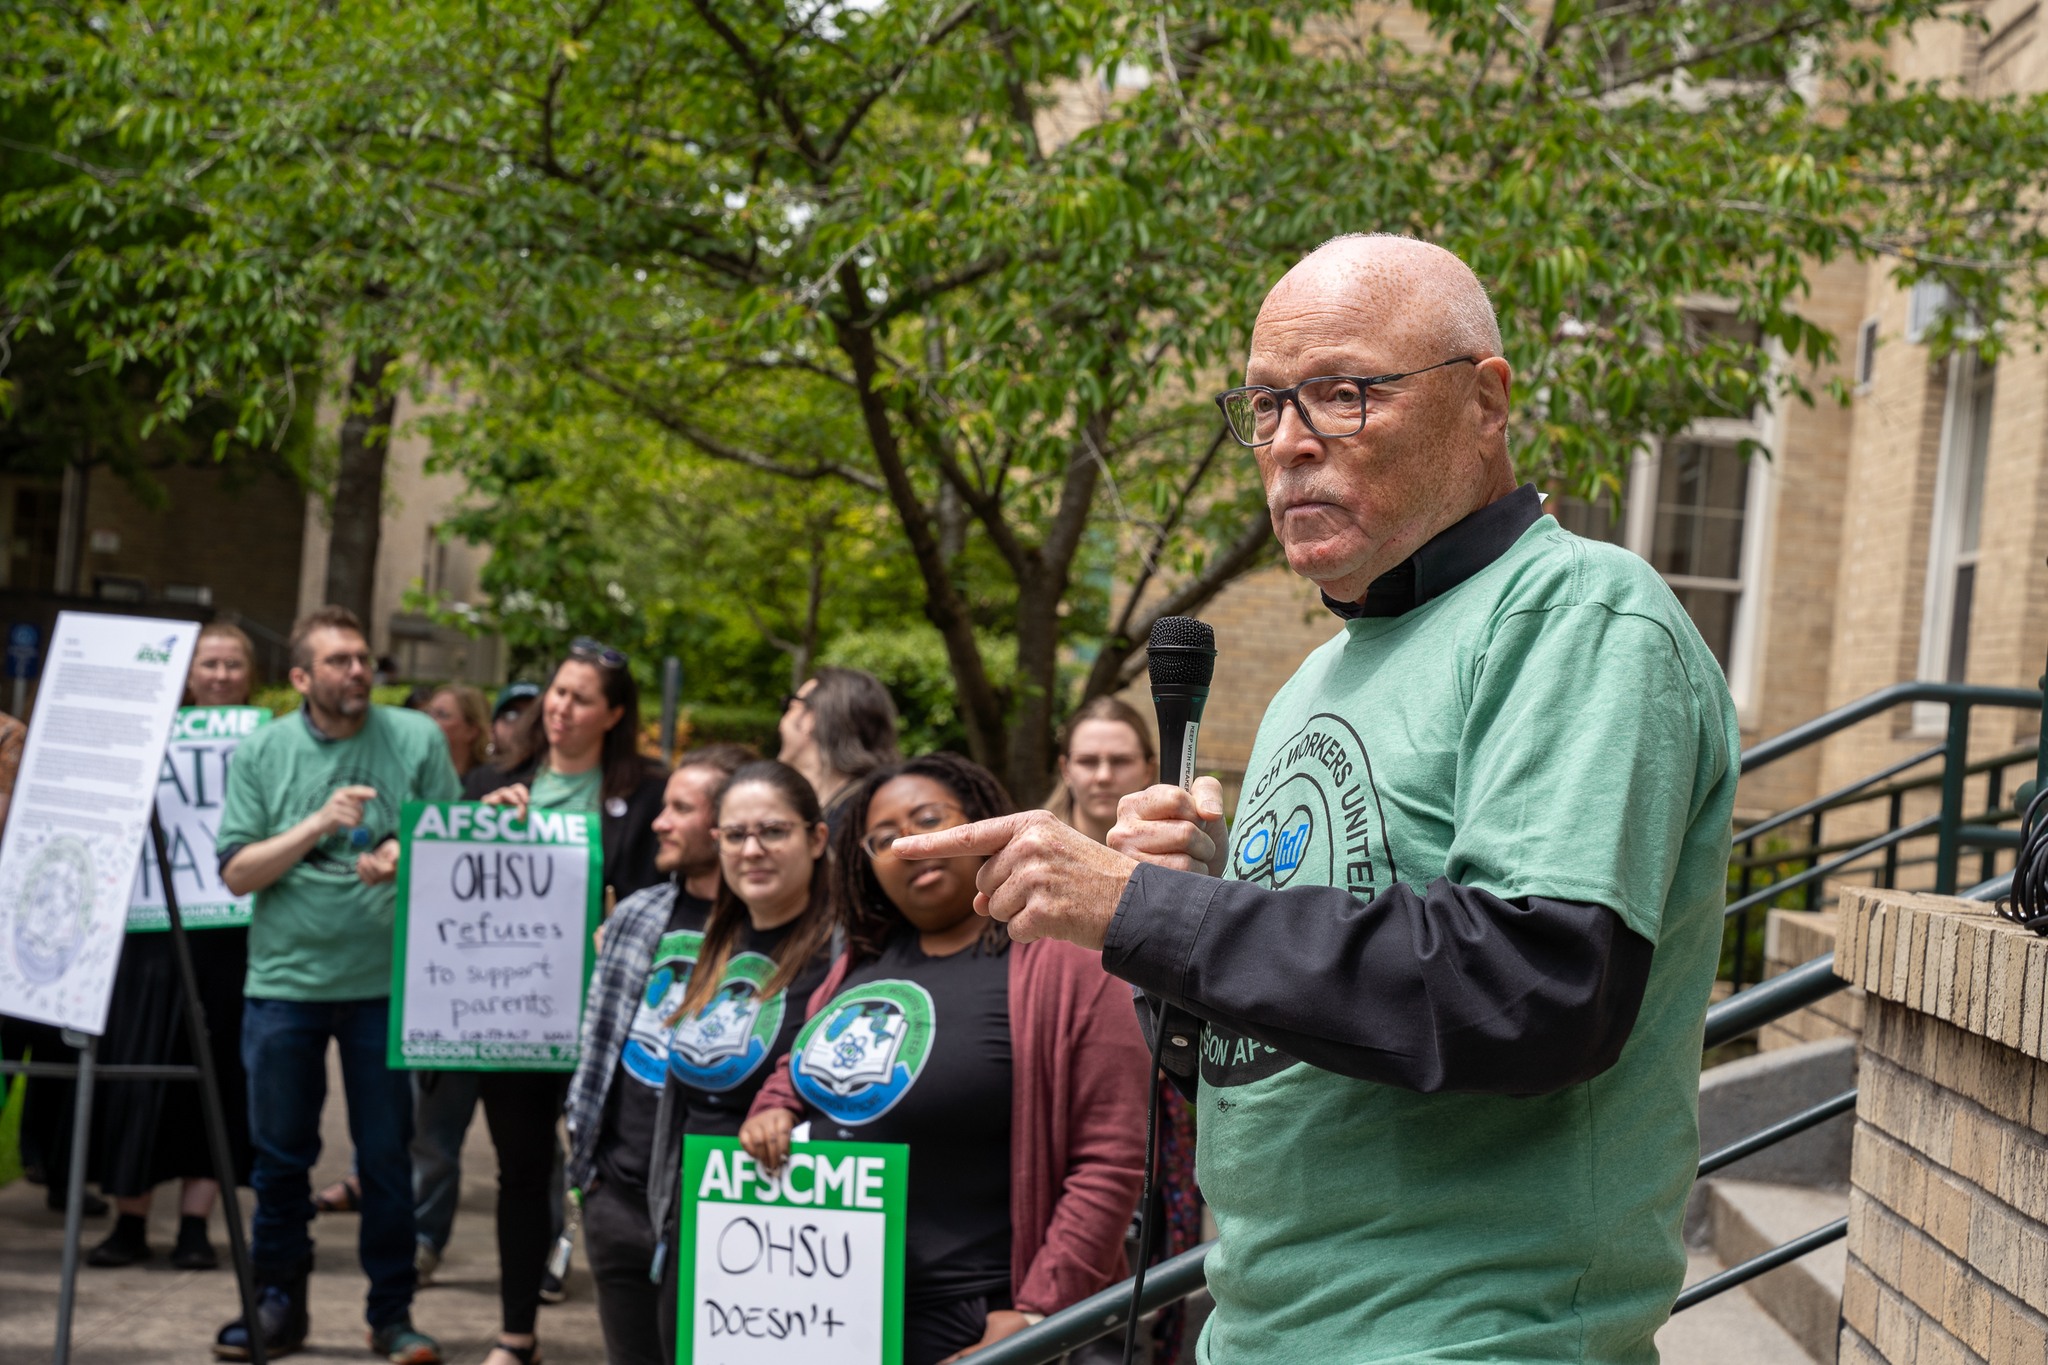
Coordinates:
<point>803,1266</point>
<point>495,913</point>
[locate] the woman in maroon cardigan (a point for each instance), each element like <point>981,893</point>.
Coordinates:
<point>1015,1073</point>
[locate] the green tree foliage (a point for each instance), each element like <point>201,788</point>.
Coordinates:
<point>980,261</point>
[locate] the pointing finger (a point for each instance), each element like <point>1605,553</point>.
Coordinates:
<point>978,840</point>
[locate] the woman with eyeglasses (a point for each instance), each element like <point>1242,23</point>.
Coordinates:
<point>1014,1073</point>
<point>587,759</point>
<point>1105,754</point>
<point>767,944</point>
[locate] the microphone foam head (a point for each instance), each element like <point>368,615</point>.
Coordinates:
<point>1181,650</point>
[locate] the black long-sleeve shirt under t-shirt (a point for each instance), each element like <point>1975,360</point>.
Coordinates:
<point>1444,1006</point>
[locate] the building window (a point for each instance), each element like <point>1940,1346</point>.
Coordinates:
<point>1866,354</point>
<point>1689,514</point>
<point>1599,519</point>
<point>1956,536</point>
<point>1696,536</point>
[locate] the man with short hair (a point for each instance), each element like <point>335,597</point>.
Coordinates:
<point>309,824</point>
<point>618,1115</point>
<point>1448,973</point>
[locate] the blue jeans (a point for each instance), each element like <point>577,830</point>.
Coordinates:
<point>443,1106</point>
<point>284,1049</point>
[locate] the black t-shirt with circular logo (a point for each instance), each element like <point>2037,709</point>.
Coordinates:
<point>916,1049</point>
<point>719,1055</point>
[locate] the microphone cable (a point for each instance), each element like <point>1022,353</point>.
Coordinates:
<point>1147,1215</point>
<point>2026,904</point>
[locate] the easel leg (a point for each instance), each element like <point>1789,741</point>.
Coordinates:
<point>74,1194</point>
<point>210,1102</point>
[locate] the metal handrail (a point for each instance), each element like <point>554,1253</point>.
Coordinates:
<point>1840,796</point>
<point>1820,870</point>
<point>1100,1314</point>
<point>1770,1260</point>
<point>1878,702</point>
<point>1776,1133</point>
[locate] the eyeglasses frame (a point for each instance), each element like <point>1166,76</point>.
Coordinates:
<point>1293,395</point>
<point>868,848</point>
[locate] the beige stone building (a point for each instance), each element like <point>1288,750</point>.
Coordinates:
<point>1902,537</point>
<point>248,546</point>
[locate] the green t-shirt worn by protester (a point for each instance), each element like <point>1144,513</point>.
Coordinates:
<point>575,792</point>
<point>1550,727</point>
<point>317,933</point>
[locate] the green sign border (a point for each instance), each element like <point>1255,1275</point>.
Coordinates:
<point>230,914</point>
<point>697,1150</point>
<point>508,1056</point>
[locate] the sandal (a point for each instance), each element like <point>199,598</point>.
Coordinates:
<point>525,1355</point>
<point>343,1196</point>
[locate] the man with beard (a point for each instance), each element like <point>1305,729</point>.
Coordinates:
<point>614,1110</point>
<point>310,825</point>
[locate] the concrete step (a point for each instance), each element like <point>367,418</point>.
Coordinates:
<point>1727,1328</point>
<point>1747,1218</point>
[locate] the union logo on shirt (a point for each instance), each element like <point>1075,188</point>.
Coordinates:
<point>863,1052</point>
<point>1313,812</point>
<point>729,1036</point>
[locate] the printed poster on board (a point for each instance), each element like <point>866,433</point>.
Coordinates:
<point>800,1267</point>
<point>189,790</point>
<point>493,946</point>
<point>81,811</point>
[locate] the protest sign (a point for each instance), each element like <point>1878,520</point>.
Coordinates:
<point>495,914</point>
<point>189,788</point>
<point>81,809</point>
<point>801,1267</point>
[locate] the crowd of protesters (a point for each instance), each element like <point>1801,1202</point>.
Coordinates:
<point>735,887</point>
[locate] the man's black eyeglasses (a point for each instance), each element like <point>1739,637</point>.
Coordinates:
<point>790,699</point>
<point>593,651</point>
<point>1330,405</point>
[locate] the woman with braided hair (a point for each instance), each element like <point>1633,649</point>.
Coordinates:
<point>1014,1073</point>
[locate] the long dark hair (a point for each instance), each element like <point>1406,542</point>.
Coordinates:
<point>624,766</point>
<point>854,721</point>
<point>812,929</point>
<point>870,917</point>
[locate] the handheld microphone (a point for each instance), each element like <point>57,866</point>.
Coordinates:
<point>1180,657</point>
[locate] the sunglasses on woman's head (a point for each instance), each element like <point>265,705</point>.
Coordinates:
<point>595,651</point>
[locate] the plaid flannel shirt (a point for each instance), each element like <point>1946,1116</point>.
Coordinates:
<point>616,983</point>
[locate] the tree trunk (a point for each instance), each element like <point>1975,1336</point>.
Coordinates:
<point>358,507</point>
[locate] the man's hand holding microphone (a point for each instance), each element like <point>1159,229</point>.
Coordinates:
<point>1047,880</point>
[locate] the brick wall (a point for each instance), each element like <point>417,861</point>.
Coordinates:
<point>1948,1213</point>
<point>237,534</point>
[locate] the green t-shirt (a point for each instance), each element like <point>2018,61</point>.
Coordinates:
<point>317,933</point>
<point>576,792</point>
<point>1553,726</point>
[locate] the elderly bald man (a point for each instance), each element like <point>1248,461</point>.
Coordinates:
<point>1451,966</point>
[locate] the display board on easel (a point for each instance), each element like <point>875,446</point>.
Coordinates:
<point>81,809</point>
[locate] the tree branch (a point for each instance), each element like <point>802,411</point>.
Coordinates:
<point>1118,667</point>
<point>894,81</point>
<point>717,449</point>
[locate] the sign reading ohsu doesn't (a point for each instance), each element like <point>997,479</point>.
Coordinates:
<point>801,1266</point>
<point>495,913</point>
